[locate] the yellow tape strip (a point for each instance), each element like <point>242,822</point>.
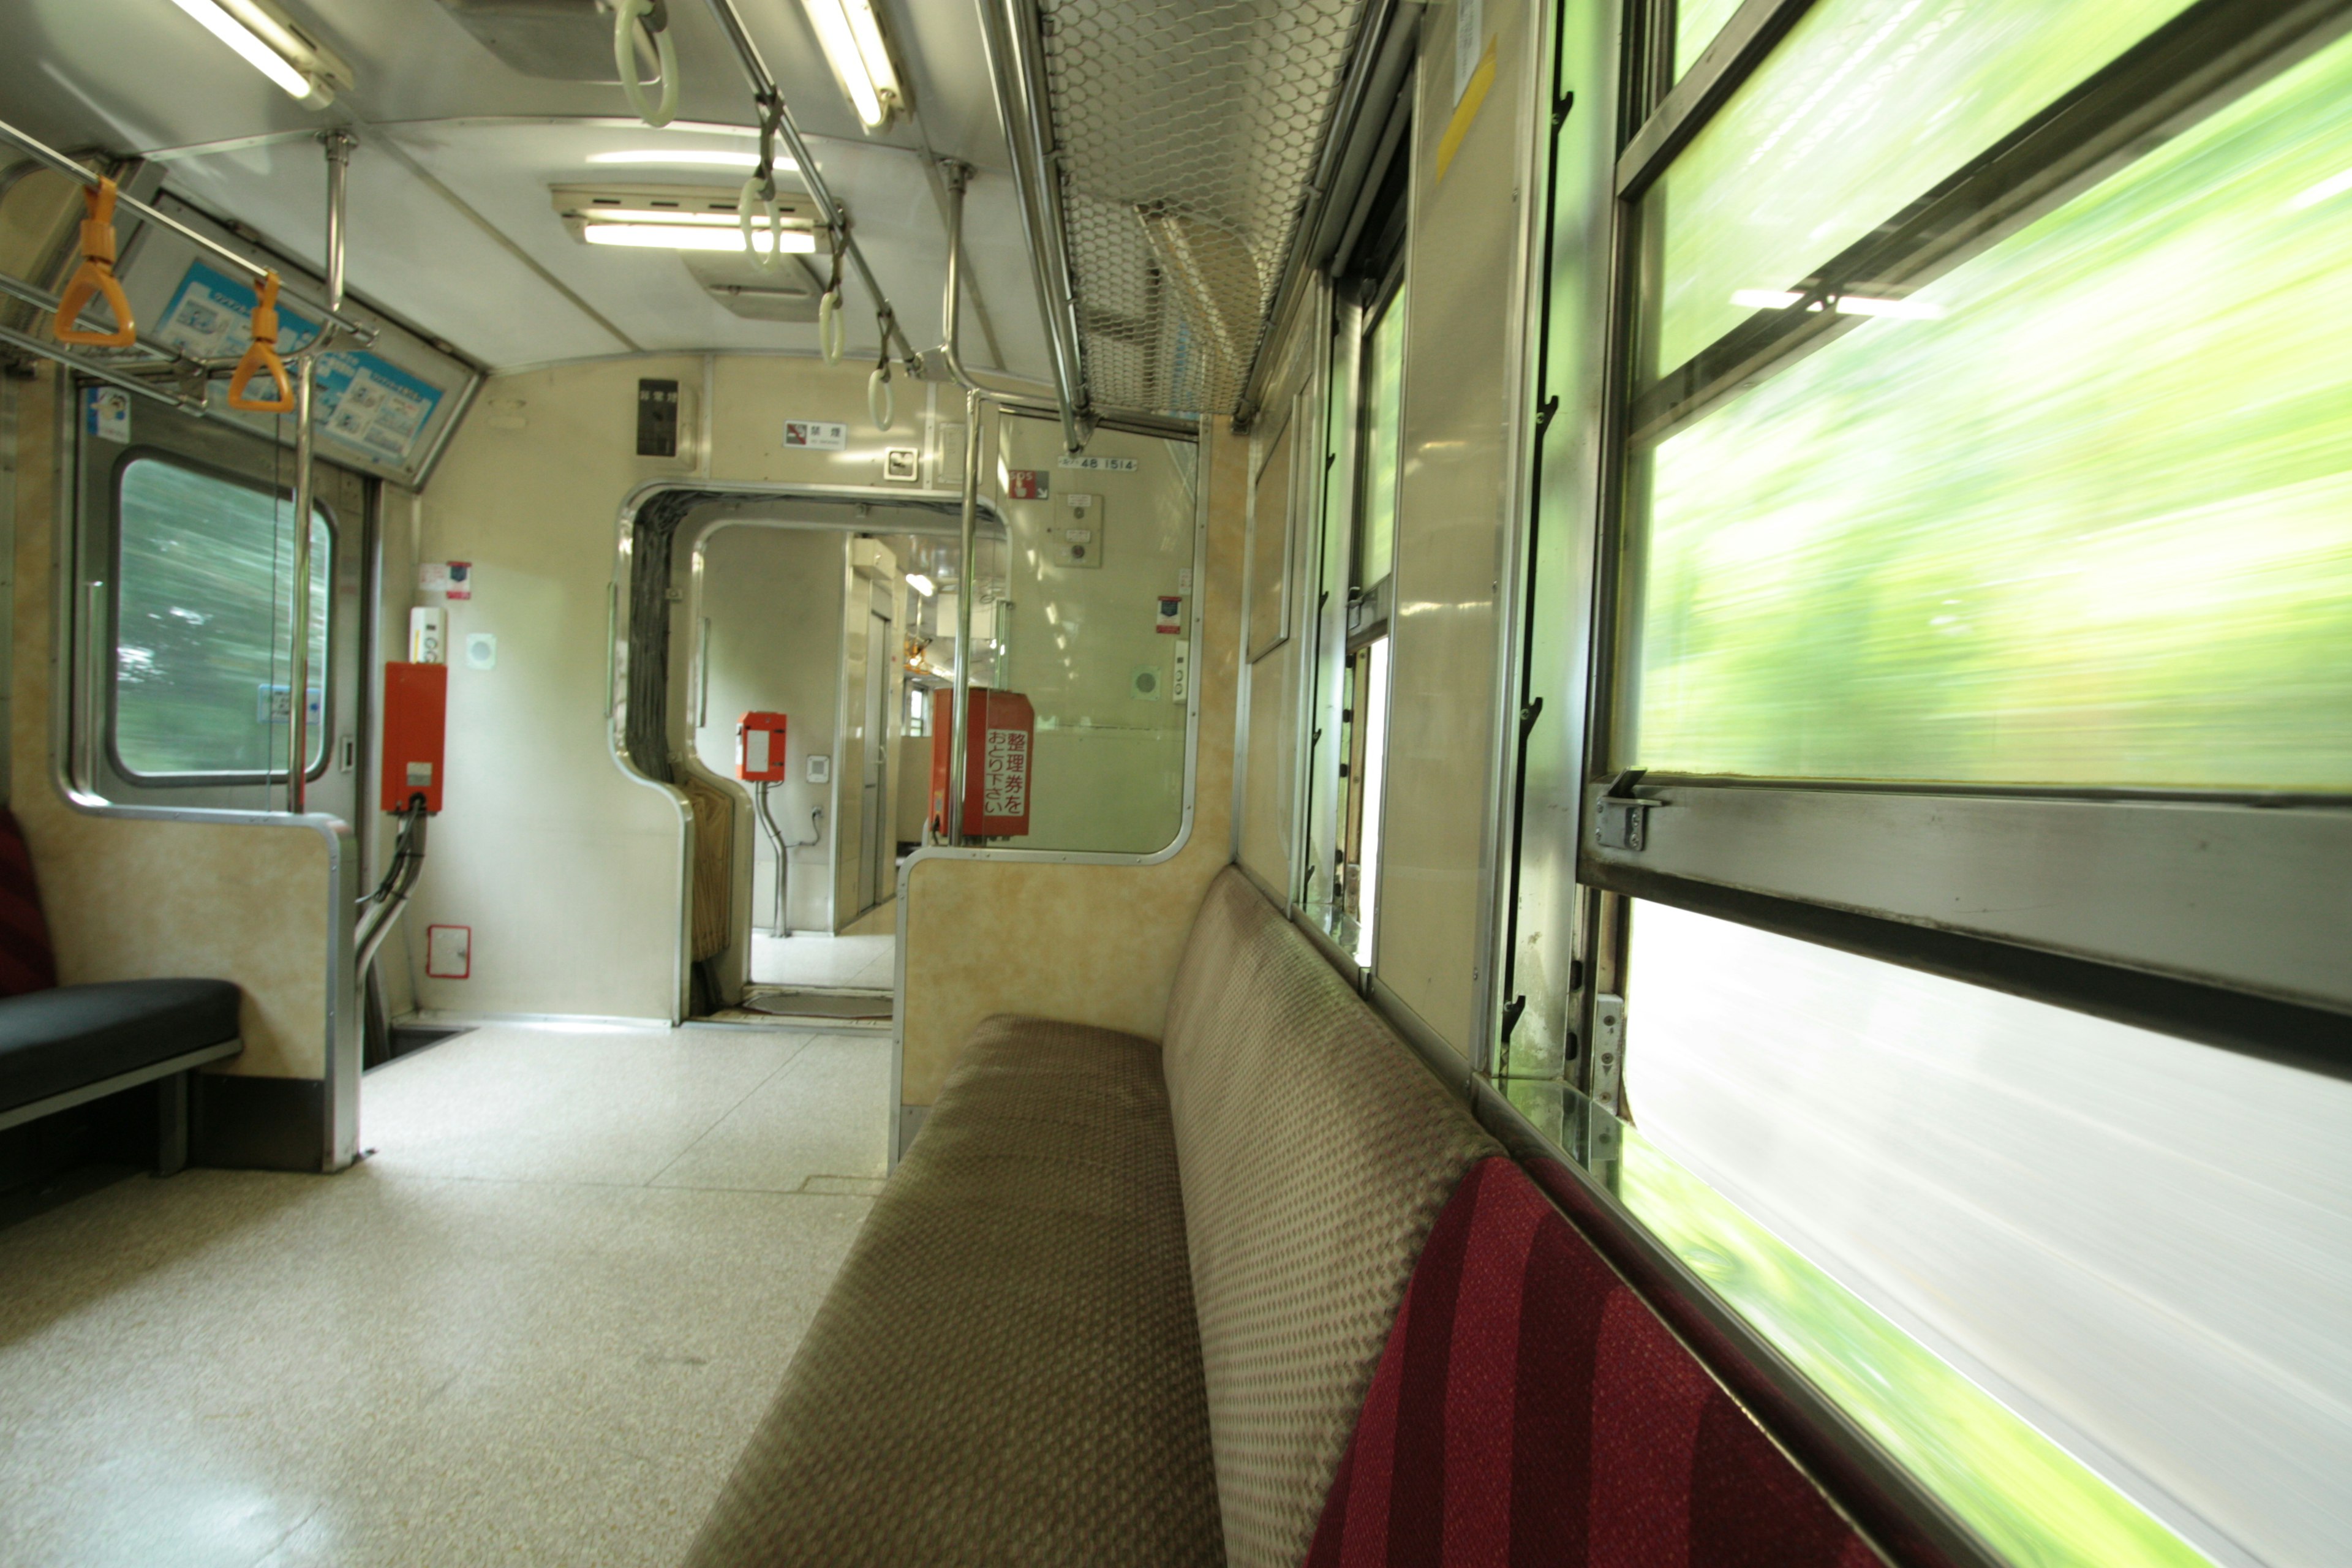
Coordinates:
<point>1466,111</point>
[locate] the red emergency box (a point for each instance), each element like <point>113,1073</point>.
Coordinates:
<point>760,748</point>
<point>998,745</point>
<point>416,718</point>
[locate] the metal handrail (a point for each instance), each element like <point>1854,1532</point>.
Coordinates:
<point>770,97</point>
<point>42,153</point>
<point>1140,422</point>
<point>1026,140</point>
<point>338,145</point>
<point>97,370</point>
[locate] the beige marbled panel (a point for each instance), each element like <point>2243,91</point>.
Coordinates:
<point>1087,944</point>
<point>130,899</point>
<point>1456,437</point>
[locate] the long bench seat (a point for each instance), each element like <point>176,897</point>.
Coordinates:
<point>1262,1294</point>
<point>63,1045</point>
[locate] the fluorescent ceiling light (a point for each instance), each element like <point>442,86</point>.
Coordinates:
<point>726,221</point>
<point>683,158</point>
<point>921,585</point>
<point>1846,304</point>
<point>850,36</point>
<point>679,236</point>
<point>270,45</point>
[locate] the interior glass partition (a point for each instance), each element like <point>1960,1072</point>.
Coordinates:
<point>1091,623</point>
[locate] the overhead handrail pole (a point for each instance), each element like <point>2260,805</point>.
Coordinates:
<point>1028,142</point>
<point>338,144</point>
<point>113,374</point>
<point>959,177</point>
<point>1138,421</point>
<point>968,542</point>
<point>770,99</point>
<point>42,153</point>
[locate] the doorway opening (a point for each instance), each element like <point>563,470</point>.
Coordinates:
<point>802,743</point>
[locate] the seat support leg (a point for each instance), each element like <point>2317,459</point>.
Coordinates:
<point>171,1124</point>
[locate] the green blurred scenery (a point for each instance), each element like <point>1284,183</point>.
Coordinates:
<point>2092,525</point>
<point>1863,106</point>
<point>205,593</point>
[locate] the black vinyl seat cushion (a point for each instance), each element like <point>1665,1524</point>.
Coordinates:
<point>60,1039</point>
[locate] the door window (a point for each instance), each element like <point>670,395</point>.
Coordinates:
<point>204,592</point>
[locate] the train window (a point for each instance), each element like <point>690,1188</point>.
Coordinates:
<point>1383,414</point>
<point>1697,21</point>
<point>1863,106</point>
<point>2104,1226</point>
<point>205,593</point>
<point>2036,527</point>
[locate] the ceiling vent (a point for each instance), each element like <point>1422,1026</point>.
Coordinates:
<point>788,293</point>
<point>560,40</point>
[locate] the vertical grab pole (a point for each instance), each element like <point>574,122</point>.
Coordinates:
<point>338,144</point>
<point>960,722</point>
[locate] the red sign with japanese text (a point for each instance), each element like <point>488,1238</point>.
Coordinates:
<point>999,743</point>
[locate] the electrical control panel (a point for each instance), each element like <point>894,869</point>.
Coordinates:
<point>1076,538</point>
<point>415,722</point>
<point>760,748</point>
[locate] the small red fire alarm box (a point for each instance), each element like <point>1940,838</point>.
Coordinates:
<point>415,717</point>
<point>760,748</point>
<point>997,746</point>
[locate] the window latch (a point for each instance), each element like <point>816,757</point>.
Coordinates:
<point>1620,821</point>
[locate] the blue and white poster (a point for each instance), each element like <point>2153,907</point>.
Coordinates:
<point>360,400</point>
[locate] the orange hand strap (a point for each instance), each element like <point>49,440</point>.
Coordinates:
<point>96,275</point>
<point>261,356</point>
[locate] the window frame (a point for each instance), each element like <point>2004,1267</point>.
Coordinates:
<point>325,728</point>
<point>1369,604</point>
<point>2068,895</point>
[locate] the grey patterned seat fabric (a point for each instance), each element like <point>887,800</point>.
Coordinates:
<point>1006,1370</point>
<point>1010,1369</point>
<point>1317,1151</point>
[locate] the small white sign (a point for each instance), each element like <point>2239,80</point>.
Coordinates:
<point>481,650</point>
<point>1469,43</point>
<point>455,578</point>
<point>109,415</point>
<point>1098,465</point>
<point>272,704</point>
<point>814,436</point>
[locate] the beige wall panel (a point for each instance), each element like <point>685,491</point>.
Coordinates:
<point>753,394</point>
<point>1093,944</point>
<point>133,899</point>
<point>1450,522</point>
<point>566,869</point>
<point>1269,776</point>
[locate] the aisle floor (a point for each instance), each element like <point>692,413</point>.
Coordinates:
<point>837,962</point>
<point>535,1326</point>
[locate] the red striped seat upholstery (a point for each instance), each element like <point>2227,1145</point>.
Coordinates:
<point>1529,1408</point>
<point>27,960</point>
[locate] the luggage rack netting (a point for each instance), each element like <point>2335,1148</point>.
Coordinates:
<point>1188,133</point>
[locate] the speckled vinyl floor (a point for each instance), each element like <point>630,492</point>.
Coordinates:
<point>535,1327</point>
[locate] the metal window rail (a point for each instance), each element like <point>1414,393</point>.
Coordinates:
<point>2208,56</point>
<point>360,331</point>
